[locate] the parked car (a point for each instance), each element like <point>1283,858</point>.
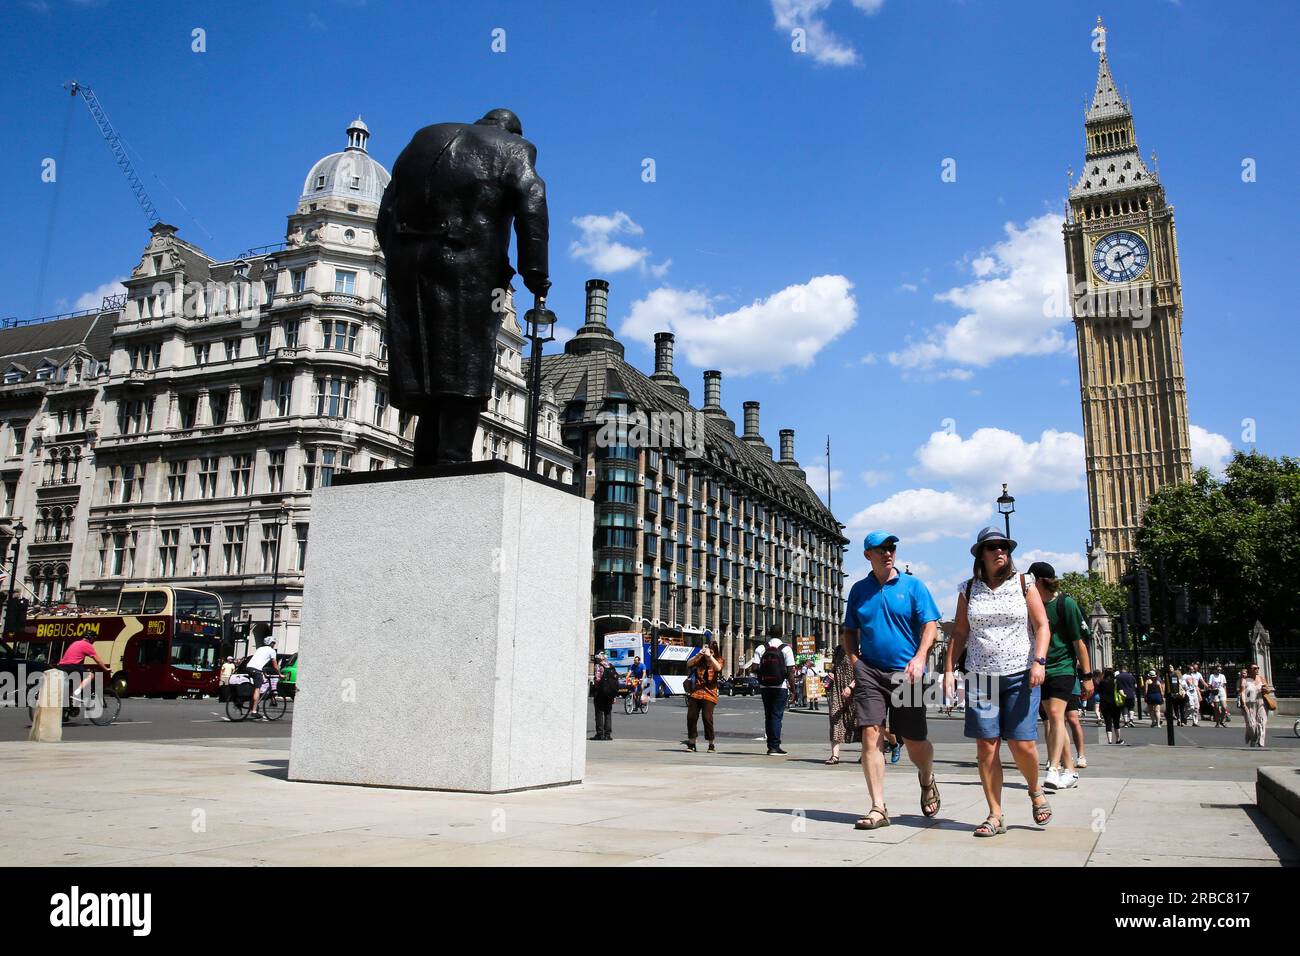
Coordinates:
<point>289,682</point>
<point>744,686</point>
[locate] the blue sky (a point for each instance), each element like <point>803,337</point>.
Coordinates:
<point>797,232</point>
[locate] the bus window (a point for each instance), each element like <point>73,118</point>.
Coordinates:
<point>197,604</point>
<point>130,602</point>
<point>153,652</point>
<point>155,602</point>
<point>190,652</point>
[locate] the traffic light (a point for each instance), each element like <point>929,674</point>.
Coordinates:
<point>1142,598</point>
<point>1138,583</point>
<point>16,616</point>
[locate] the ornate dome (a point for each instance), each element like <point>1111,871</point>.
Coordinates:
<point>351,175</point>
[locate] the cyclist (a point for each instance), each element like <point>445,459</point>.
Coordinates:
<point>636,674</point>
<point>73,661</point>
<point>257,662</point>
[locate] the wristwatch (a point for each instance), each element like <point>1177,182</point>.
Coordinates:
<point>1041,660</point>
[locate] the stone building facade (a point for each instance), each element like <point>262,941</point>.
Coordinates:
<point>51,377</point>
<point>698,528</point>
<point>1122,260</point>
<point>229,390</point>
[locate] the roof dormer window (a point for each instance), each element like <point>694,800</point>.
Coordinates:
<point>13,377</point>
<point>356,183</point>
<point>320,182</point>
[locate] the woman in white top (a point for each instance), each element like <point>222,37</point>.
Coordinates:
<point>1002,626</point>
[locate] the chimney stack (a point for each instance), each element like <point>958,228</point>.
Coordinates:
<point>787,455</point>
<point>712,389</point>
<point>752,435</point>
<point>713,400</point>
<point>597,302</point>
<point>664,353</point>
<point>595,336</point>
<point>663,374</point>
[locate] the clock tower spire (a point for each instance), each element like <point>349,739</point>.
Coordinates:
<point>1122,261</point>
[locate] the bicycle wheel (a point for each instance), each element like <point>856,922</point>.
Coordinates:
<point>628,704</point>
<point>238,710</point>
<point>274,706</point>
<point>110,705</point>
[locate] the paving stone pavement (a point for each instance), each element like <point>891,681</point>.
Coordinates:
<point>644,803</point>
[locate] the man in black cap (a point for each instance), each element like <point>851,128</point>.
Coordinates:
<point>444,226</point>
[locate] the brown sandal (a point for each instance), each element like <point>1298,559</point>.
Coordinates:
<point>931,788</point>
<point>991,826</point>
<point>866,823</point>
<point>1042,811</point>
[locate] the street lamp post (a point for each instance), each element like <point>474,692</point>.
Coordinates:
<point>281,521</point>
<point>16,536</point>
<point>1006,508</point>
<point>540,322</point>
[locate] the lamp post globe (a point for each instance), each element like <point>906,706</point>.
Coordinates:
<point>1006,508</point>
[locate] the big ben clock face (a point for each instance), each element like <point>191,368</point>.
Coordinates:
<point>1120,256</point>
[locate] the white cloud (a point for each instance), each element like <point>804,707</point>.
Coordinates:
<point>873,478</point>
<point>821,42</point>
<point>1209,450</point>
<point>562,334</point>
<point>600,250</point>
<point>922,515</point>
<point>908,287</point>
<point>1015,305</point>
<point>817,479</point>
<point>990,456</point>
<point>1061,562</point>
<point>95,297</point>
<point>786,329</point>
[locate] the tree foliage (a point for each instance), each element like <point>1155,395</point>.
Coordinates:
<point>1090,587</point>
<point>1235,542</point>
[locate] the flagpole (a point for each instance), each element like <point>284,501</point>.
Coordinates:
<point>828,472</point>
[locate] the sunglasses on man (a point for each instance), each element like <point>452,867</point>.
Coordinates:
<point>886,548</point>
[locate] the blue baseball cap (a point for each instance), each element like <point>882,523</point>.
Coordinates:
<point>876,538</point>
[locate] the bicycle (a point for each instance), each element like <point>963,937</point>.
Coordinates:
<point>635,703</point>
<point>106,709</point>
<point>274,705</point>
<point>1295,729</point>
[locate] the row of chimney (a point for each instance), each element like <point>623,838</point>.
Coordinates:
<point>596,327</point>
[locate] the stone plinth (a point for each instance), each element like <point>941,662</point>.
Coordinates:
<point>445,630</point>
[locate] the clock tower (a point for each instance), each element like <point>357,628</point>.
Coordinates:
<point>1121,256</point>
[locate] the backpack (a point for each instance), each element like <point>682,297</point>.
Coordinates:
<point>771,666</point>
<point>608,686</point>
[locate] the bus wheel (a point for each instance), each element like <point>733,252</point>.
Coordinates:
<point>118,683</point>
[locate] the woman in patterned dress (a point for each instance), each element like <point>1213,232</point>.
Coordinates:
<point>844,721</point>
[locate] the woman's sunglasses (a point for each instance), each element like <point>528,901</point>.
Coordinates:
<point>996,546</point>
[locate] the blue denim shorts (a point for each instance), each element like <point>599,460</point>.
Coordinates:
<point>1001,706</point>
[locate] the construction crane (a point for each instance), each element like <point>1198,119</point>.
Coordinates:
<point>115,144</point>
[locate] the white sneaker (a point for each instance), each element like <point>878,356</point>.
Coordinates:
<point>1052,779</point>
<point>1068,779</point>
<point>1082,763</point>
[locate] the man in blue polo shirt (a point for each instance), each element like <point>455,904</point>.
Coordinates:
<point>889,628</point>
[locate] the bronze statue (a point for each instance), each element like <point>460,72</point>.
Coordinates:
<point>444,226</point>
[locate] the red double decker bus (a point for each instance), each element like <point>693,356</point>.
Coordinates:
<point>160,642</point>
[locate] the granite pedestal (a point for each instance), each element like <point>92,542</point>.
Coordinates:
<point>445,632</point>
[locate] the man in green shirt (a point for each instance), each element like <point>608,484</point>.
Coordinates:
<point>1067,662</point>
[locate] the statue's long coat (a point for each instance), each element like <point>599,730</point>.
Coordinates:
<point>444,226</point>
